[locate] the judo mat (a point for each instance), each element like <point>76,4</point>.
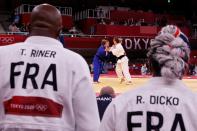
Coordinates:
<point>137,80</point>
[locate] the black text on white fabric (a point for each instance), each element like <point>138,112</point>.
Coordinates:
<point>132,124</point>
<point>28,76</point>
<point>158,100</point>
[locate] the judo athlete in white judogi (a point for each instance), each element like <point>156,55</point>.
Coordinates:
<point>165,103</point>
<point>43,86</point>
<point>122,67</point>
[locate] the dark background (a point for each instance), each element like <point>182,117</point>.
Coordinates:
<point>188,8</point>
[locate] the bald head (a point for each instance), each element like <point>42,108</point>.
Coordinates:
<point>45,20</point>
<point>107,90</point>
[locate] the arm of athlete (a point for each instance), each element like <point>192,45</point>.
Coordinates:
<point>84,100</point>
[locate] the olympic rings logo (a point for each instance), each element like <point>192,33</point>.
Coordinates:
<point>7,40</point>
<point>40,107</point>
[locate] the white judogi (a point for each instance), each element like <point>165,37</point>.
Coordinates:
<point>171,107</point>
<point>45,87</point>
<point>122,67</point>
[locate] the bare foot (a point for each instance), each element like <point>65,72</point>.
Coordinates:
<point>122,80</point>
<point>96,82</point>
<point>129,83</point>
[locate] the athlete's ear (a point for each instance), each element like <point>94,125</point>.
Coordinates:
<point>59,31</point>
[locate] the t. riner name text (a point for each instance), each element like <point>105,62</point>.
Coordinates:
<point>43,53</point>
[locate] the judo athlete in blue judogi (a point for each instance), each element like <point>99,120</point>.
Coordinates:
<point>99,58</point>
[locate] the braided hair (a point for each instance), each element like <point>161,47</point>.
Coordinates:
<point>170,50</point>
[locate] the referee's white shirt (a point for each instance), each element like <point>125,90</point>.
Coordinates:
<point>156,106</point>
<point>57,94</point>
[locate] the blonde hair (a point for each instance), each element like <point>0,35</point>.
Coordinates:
<point>103,41</point>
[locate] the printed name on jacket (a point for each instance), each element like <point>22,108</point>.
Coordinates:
<point>133,121</point>
<point>32,70</point>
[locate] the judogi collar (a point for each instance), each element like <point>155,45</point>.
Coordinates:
<point>42,40</point>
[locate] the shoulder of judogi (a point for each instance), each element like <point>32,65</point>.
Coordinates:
<point>122,100</point>
<point>152,90</point>
<point>119,45</point>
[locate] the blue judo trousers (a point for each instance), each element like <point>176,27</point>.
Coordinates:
<point>98,61</point>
